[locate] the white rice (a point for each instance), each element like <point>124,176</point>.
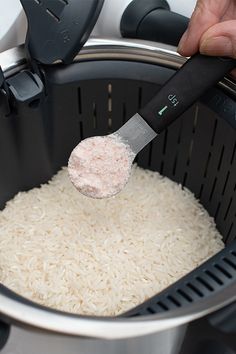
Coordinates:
<point>102,257</point>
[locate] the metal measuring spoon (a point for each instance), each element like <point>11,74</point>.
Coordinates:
<point>96,176</point>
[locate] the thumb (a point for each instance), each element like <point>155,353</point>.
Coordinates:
<point>220,39</point>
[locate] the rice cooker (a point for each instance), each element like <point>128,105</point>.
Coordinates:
<point>46,108</point>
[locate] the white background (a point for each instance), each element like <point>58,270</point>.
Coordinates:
<point>13,22</point>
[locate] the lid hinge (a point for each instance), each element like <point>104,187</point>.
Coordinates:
<point>24,87</point>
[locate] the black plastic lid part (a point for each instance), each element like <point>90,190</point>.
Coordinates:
<point>135,12</point>
<point>163,26</point>
<point>57,29</point>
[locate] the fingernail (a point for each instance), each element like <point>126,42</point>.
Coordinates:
<point>182,42</point>
<point>217,46</point>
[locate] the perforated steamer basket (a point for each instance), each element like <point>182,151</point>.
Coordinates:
<point>107,83</point>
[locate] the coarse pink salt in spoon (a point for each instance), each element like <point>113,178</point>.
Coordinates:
<point>99,167</point>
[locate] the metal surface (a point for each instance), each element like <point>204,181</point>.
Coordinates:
<point>136,133</point>
<point>112,328</point>
<point>28,341</point>
<point>14,59</point>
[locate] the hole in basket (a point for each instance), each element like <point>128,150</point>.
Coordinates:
<point>109,90</point>
<point>38,2</point>
<point>79,100</point>
<point>81,130</point>
<point>175,164</point>
<point>221,158</point>
<point>34,103</point>
<point>94,115</point>
<point>55,17</point>
<point>214,133</point>
<point>233,253</point>
<point>109,105</point>
<point>229,232</point>
<point>195,119</point>
<point>150,310</point>
<point>228,208</point>
<point>194,289</point>
<point>207,164</point>
<point>140,97</point>
<point>134,315</point>
<point>162,167</point>
<point>230,263</point>
<point>185,179</point>
<point>204,283</point>
<point>233,154</point>
<point>180,132</point>
<point>150,154</point>
<point>201,190</point>
<point>190,150</point>
<point>217,210</point>
<point>65,2</point>
<point>213,189</point>
<point>225,184</point>
<point>223,271</point>
<point>214,277</point>
<point>174,301</point>
<point>165,141</point>
<point>184,295</point>
<point>162,305</point>
<point>124,113</point>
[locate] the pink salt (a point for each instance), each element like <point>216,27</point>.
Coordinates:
<point>99,167</point>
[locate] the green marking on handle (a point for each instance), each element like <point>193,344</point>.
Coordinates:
<point>162,110</point>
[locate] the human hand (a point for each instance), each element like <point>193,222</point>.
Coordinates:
<point>212,29</point>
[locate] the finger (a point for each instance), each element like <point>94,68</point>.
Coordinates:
<point>220,40</point>
<point>233,74</point>
<point>206,14</point>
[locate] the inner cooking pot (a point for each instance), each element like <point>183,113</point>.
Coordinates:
<point>107,83</point>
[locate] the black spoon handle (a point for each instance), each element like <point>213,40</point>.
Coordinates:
<point>197,75</point>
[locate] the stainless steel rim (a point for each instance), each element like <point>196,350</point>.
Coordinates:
<point>11,62</point>
<point>14,59</point>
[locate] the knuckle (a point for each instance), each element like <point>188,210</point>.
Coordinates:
<point>201,6</point>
